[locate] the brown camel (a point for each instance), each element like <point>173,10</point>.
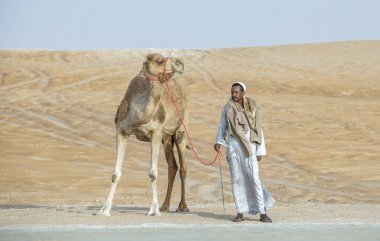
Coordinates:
<point>148,113</point>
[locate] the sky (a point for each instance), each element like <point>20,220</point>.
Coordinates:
<point>183,24</point>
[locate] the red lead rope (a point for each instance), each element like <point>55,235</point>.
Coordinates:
<point>218,154</point>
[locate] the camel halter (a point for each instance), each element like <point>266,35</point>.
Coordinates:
<point>154,78</point>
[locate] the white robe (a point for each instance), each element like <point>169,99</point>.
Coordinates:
<point>249,193</point>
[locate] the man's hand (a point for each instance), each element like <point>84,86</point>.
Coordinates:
<point>258,158</point>
<point>217,147</point>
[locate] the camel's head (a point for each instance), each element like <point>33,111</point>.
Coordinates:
<point>155,65</point>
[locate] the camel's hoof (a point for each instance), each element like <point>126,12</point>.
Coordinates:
<point>154,210</point>
<point>154,213</point>
<point>103,213</point>
<point>182,210</point>
<point>164,208</point>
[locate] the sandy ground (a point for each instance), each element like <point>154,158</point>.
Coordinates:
<point>294,232</point>
<point>135,216</point>
<point>321,121</point>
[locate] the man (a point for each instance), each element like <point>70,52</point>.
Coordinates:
<point>241,122</point>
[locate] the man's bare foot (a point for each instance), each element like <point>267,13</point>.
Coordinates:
<point>265,218</point>
<point>238,218</point>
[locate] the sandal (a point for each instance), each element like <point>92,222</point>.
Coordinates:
<point>265,218</point>
<point>238,218</point>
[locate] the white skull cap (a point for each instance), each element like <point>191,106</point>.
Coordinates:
<point>242,84</point>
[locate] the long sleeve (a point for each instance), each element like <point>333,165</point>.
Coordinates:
<point>222,129</point>
<point>260,149</point>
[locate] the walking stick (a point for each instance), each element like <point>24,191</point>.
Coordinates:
<point>221,184</point>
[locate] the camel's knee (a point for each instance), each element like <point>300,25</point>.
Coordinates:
<point>180,136</point>
<point>116,176</point>
<point>173,169</point>
<point>183,172</point>
<point>153,175</point>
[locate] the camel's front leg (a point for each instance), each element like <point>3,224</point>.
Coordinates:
<point>121,145</point>
<point>155,142</point>
<point>181,148</point>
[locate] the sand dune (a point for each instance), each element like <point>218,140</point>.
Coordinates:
<point>320,108</point>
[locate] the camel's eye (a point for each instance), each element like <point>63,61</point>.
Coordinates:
<point>160,61</point>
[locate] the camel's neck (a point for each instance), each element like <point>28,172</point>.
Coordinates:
<point>155,90</point>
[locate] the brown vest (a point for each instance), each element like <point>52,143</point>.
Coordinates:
<point>240,121</point>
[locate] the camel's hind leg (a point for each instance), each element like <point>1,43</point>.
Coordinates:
<point>121,145</point>
<point>172,169</point>
<point>180,141</point>
<point>155,141</point>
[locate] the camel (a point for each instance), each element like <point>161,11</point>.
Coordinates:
<point>147,112</point>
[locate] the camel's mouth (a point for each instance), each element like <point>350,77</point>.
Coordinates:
<point>180,71</point>
<point>175,71</point>
<point>176,65</point>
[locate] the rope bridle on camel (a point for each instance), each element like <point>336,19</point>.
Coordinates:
<point>174,102</point>
<point>218,155</point>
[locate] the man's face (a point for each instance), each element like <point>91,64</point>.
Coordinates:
<point>236,93</point>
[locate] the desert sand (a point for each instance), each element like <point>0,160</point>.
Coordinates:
<point>321,114</point>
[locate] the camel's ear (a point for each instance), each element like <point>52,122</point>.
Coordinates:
<point>149,57</point>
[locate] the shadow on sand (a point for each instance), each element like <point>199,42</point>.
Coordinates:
<point>144,210</point>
